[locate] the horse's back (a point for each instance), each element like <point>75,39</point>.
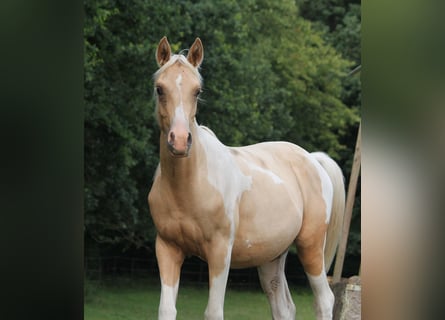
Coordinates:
<point>278,167</point>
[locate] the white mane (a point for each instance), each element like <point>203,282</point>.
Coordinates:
<point>208,130</point>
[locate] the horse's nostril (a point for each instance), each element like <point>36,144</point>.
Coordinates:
<point>171,137</point>
<point>189,139</point>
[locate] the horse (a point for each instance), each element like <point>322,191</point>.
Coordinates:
<point>236,207</point>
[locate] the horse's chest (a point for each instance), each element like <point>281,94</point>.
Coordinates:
<point>185,233</point>
<point>189,224</point>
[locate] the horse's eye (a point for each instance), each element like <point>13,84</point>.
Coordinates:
<point>198,92</point>
<point>159,91</point>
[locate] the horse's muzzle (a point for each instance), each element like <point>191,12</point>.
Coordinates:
<point>179,143</point>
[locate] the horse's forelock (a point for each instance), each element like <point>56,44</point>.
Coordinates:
<point>180,59</point>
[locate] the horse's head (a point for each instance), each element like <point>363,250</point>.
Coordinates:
<point>177,86</point>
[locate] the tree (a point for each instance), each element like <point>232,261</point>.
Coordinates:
<point>268,75</point>
<point>119,148</point>
<point>341,22</point>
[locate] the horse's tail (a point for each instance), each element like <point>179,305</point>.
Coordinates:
<point>338,206</point>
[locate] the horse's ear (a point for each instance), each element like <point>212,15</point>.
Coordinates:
<point>196,53</point>
<point>163,52</point>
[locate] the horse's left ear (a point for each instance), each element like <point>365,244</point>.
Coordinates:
<point>196,53</point>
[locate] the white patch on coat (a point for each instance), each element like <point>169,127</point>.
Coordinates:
<point>327,188</point>
<point>167,305</point>
<point>215,306</point>
<point>223,173</point>
<point>227,178</point>
<point>324,298</point>
<point>276,179</point>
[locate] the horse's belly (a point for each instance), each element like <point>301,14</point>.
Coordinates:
<point>255,251</point>
<point>267,226</point>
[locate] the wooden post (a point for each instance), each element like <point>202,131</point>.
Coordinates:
<point>339,260</point>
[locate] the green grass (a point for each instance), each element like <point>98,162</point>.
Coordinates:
<point>139,300</point>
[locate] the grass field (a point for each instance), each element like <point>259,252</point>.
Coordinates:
<point>139,300</point>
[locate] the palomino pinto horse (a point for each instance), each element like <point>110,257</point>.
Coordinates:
<point>237,207</point>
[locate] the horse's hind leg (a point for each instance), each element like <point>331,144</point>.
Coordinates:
<point>310,248</point>
<point>274,284</point>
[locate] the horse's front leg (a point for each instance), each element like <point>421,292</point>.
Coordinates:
<point>218,258</point>
<point>170,259</point>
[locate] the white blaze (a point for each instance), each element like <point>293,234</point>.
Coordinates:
<point>178,86</point>
<point>179,82</point>
<point>179,110</point>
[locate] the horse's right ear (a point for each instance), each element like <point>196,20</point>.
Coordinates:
<point>163,52</point>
